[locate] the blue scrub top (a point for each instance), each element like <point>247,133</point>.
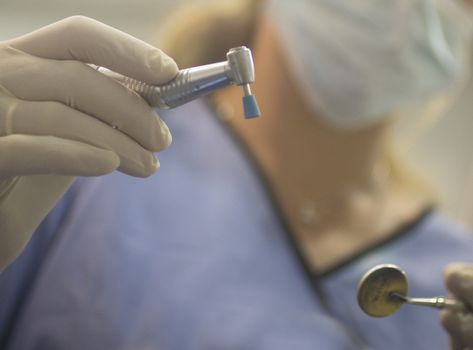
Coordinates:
<point>196,257</point>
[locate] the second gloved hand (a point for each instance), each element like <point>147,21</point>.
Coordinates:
<point>459,280</point>
<point>60,117</point>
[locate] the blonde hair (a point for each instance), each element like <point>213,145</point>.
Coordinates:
<point>203,31</point>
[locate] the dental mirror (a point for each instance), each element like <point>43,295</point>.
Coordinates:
<point>384,288</point>
<point>376,288</point>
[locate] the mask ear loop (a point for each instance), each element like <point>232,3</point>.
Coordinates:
<point>427,117</point>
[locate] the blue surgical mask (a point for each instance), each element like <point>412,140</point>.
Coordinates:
<point>357,61</point>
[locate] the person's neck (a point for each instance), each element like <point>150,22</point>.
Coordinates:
<point>288,131</point>
<point>326,180</point>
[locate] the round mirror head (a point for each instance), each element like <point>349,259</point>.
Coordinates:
<point>376,289</point>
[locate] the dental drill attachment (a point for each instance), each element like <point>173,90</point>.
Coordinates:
<point>195,82</point>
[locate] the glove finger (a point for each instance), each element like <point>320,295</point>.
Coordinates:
<point>460,327</point>
<point>459,280</point>
<point>34,155</point>
<point>451,325</point>
<point>87,40</point>
<point>455,345</point>
<point>55,119</point>
<point>83,88</point>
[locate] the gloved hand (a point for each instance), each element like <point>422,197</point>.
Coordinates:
<point>459,280</point>
<point>61,118</point>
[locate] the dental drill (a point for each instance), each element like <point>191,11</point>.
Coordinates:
<point>195,82</point>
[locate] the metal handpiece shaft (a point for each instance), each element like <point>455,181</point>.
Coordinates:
<point>188,85</point>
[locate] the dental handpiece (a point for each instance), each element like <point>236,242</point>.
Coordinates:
<point>195,82</point>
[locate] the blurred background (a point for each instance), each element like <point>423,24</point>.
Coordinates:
<point>138,17</point>
<point>439,146</point>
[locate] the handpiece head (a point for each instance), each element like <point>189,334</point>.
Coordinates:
<point>242,72</point>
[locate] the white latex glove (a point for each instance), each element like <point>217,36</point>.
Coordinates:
<point>60,118</point>
<point>459,280</point>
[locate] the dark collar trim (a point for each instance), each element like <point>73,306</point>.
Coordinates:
<point>398,234</point>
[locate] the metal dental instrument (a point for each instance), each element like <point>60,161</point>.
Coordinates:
<point>384,288</point>
<point>194,82</point>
